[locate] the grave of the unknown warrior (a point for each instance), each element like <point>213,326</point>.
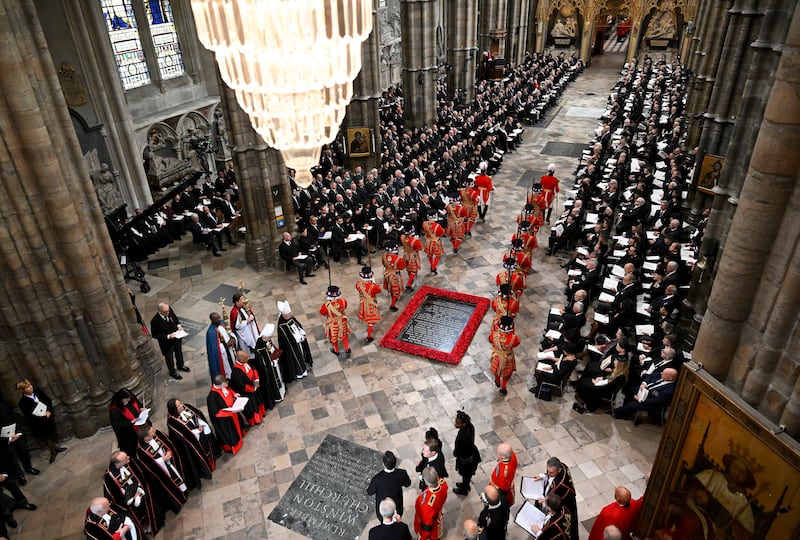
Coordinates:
<point>328,499</point>
<point>437,324</point>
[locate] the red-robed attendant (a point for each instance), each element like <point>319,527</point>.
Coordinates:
<point>504,304</point>
<point>336,327</point>
<point>428,506</point>
<point>227,425</point>
<point>529,241</point>
<point>433,241</point>
<point>456,221</point>
<point>512,276</point>
<point>246,382</point>
<point>503,341</point>
<point>483,183</point>
<point>469,200</point>
<point>368,310</point>
<point>411,248</point>
<point>524,262</point>
<point>503,473</point>
<point>532,213</point>
<point>393,264</point>
<point>549,189</point>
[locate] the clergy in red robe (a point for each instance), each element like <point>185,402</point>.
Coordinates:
<point>622,513</point>
<point>227,424</point>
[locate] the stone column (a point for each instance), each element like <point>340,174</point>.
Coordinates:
<point>363,108</point>
<point>66,320</point>
<point>633,38</point>
<point>418,28</point>
<point>759,247</point>
<point>765,365</point>
<point>708,52</point>
<point>492,27</point>
<point>531,42</point>
<point>586,39</point>
<point>263,183</point>
<point>461,22</point>
<point>517,30</point>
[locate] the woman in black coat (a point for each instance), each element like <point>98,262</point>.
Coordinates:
<point>466,453</point>
<point>37,408</point>
<point>123,412</point>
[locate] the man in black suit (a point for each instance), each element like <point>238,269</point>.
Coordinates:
<point>211,222</point>
<point>494,516</point>
<point>432,456</point>
<point>210,237</point>
<point>389,483</point>
<point>163,327</point>
<point>390,528</point>
<point>290,253</point>
<point>652,397</point>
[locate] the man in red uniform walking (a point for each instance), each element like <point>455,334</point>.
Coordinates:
<point>433,241</point>
<point>483,183</point>
<point>549,190</point>
<point>503,362</point>
<point>503,473</point>
<point>411,248</point>
<point>393,264</point>
<point>368,310</point>
<point>336,327</point>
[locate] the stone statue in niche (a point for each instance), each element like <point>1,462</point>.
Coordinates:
<point>161,162</point>
<point>219,136</point>
<point>565,27</point>
<point>107,191</point>
<point>71,85</point>
<point>197,149</point>
<point>662,25</point>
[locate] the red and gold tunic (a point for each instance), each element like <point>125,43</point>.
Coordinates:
<point>433,243</point>
<point>392,280</point>
<point>503,477</point>
<point>529,241</point>
<point>503,359</point>
<point>502,307</point>
<point>456,214</point>
<point>428,511</point>
<point>336,327</point>
<point>411,248</point>
<point>517,281</point>
<point>469,200</point>
<point>549,190</point>
<point>367,305</point>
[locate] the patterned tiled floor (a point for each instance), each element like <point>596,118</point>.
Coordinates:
<point>379,398</point>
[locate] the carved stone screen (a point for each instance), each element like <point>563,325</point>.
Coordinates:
<point>328,499</point>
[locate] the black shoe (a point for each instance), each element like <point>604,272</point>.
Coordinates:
<point>497,384</point>
<point>503,391</point>
<point>223,249</point>
<point>434,272</point>
<point>310,275</point>
<point>31,470</point>
<point>184,368</point>
<point>578,408</point>
<point>533,389</point>
<point>460,491</point>
<point>176,375</point>
<point>26,506</point>
<point>11,522</point>
<point>22,481</point>
<point>216,253</point>
<point>369,340</point>
<point>303,282</point>
<point>61,449</point>
<point>348,352</point>
<point>392,308</point>
<point>334,351</point>
<point>408,288</point>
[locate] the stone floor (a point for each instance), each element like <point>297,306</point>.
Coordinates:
<point>379,398</point>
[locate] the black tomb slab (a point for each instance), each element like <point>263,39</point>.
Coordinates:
<point>437,324</point>
<point>557,148</point>
<point>328,499</point>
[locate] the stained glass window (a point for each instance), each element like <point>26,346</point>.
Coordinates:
<point>165,38</point>
<point>125,43</point>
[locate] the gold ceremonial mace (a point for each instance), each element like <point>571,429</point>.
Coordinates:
<point>222,310</point>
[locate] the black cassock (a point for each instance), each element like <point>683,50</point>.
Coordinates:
<point>268,366</point>
<point>96,529</point>
<point>296,357</point>
<point>241,383</point>
<point>120,487</point>
<point>197,452</point>
<point>227,425</point>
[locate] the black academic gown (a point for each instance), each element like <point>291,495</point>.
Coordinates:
<point>267,364</point>
<point>164,488</point>
<point>95,528</point>
<point>196,452</point>
<point>122,422</point>
<point>119,489</point>
<point>296,357</point>
<point>227,425</point>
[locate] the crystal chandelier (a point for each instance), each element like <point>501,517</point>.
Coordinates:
<point>291,64</point>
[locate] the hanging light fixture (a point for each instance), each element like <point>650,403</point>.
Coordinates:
<point>291,64</point>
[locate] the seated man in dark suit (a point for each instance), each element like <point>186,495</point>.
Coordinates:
<point>653,397</point>
<point>210,237</point>
<point>289,251</point>
<point>210,221</point>
<point>562,234</point>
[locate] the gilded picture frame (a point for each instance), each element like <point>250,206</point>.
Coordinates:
<point>359,142</point>
<point>710,172</point>
<point>723,471</point>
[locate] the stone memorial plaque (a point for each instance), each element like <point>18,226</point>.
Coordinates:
<point>328,499</point>
<point>437,324</point>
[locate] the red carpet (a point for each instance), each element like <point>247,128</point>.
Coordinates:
<point>437,324</point>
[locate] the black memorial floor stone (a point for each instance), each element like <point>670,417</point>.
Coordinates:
<point>156,264</point>
<point>223,291</point>
<point>328,498</point>
<point>557,148</point>
<point>529,178</point>
<point>437,324</point>
<point>190,271</point>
